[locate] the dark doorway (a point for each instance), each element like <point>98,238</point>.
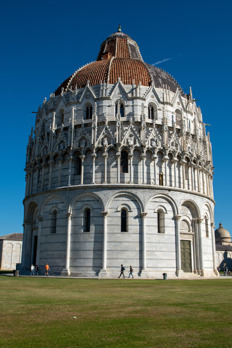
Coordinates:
<point>34,250</point>
<point>186,261</point>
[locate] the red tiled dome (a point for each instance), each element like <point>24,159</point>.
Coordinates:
<point>119,57</point>
<point>110,71</point>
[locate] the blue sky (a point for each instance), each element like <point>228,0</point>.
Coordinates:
<point>43,42</point>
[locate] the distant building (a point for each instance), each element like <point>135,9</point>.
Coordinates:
<point>10,250</point>
<point>223,248</point>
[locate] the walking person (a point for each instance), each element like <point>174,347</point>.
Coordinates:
<point>47,268</point>
<point>131,272</point>
<point>122,272</point>
<point>32,270</point>
<point>36,269</point>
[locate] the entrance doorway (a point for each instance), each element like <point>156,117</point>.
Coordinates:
<point>34,250</point>
<point>186,260</point>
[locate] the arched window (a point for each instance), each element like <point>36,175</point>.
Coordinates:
<point>206,227</point>
<point>78,166</point>
<point>178,115</point>
<point>161,179</point>
<point>60,118</point>
<point>124,224</point>
<point>151,112</point>
<point>119,108</point>
<point>187,170</point>
<point>124,162</point>
<point>160,221</point>
<point>86,220</point>
<point>53,221</point>
<point>88,112</point>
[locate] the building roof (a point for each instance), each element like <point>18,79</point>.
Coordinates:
<point>220,247</point>
<point>13,236</point>
<point>222,235</point>
<point>119,58</point>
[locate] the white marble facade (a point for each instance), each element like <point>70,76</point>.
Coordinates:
<point>142,150</point>
<point>10,251</point>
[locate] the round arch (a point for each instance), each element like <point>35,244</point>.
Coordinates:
<point>77,198</point>
<point>168,198</point>
<point>56,196</point>
<point>210,211</point>
<point>192,206</point>
<point>30,210</point>
<point>118,194</point>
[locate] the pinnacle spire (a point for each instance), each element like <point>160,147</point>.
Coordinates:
<point>119,28</point>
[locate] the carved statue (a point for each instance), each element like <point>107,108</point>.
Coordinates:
<point>105,142</point>
<point>82,143</point>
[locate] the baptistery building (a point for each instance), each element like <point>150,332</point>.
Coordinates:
<point>119,171</point>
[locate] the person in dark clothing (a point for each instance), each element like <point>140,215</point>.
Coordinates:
<point>122,272</point>
<point>131,272</point>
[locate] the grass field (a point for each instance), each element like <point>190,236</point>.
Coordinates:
<point>39,312</point>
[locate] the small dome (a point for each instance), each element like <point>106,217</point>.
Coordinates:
<point>222,235</point>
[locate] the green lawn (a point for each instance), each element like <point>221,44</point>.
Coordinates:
<point>39,312</point>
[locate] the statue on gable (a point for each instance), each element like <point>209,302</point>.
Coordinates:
<point>130,141</point>
<point>143,122</point>
<point>82,143</point>
<point>154,143</point>
<point>105,142</point>
<point>61,146</point>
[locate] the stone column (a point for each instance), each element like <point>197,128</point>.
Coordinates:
<point>198,179</point>
<point>66,271</point>
<point>27,245</point>
<point>105,155</point>
<point>93,173</point>
<point>211,183</point>
<point>199,221</point>
<point>70,170</point>
<point>27,184</point>
<point>42,178</point>
<point>40,219</point>
<point>183,173</point>
<point>192,177</point>
<point>103,272</point>
<point>118,155</point>
<point>144,260</point>
<point>195,269</point>
<point>37,177</point>
<point>177,240</point>
<point>32,180</point>
<point>143,157</point>
<point>82,157</point>
<point>196,245</point>
<point>165,159</point>
<point>213,248</point>
<point>208,183</point>
<point>50,174</point>
<point>203,181</point>
<point>155,159</point>
<point>210,186</point>
<point>131,167</point>
<point>59,172</point>
<point>174,169</point>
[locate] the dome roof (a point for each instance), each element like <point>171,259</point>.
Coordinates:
<point>222,235</point>
<point>119,58</point>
